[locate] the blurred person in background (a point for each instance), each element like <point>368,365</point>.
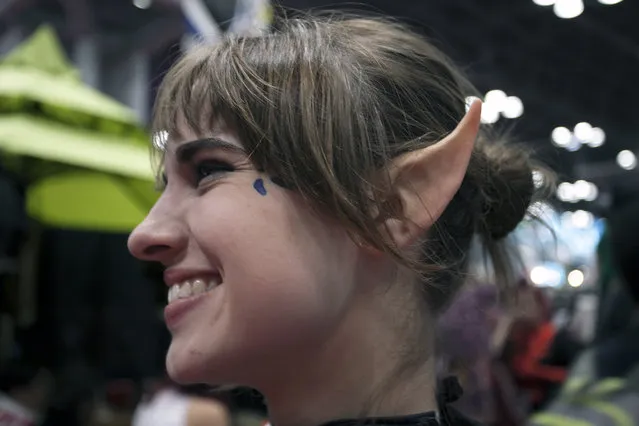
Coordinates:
<point>25,391</point>
<point>603,385</point>
<point>528,346</point>
<point>165,404</point>
<point>570,339</point>
<point>616,302</point>
<point>322,186</point>
<point>471,335</point>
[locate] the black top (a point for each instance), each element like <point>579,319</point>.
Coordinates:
<point>449,392</point>
<point>618,355</point>
<point>424,419</point>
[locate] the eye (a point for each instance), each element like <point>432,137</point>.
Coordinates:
<point>210,168</point>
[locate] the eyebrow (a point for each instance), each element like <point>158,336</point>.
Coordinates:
<point>186,151</point>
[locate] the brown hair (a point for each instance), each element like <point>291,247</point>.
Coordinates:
<point>324,104</point>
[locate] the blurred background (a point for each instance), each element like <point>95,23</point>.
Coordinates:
<point>81,334</point>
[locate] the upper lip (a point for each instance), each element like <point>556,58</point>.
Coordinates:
<point>175,276</point>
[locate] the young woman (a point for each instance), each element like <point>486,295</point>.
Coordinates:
<point>321,187</point>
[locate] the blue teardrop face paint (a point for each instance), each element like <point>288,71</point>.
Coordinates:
<point>258,185</point>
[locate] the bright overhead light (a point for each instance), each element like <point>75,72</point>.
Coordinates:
<point>566,192</point>
<point>582,219</point>
<point>598,137</point>
<point>627,160</point>
<point>142,4</point>
<point>561,136</point>
<point>578,191</point>
<point>586,191</point>
<point>496,97</point>
<point>566,218</point>
<point>610,2</point>
<point>545,276</point>
<point>544,2</point>
<point>489,113</point>
<point>593,192</point>
<point>576,278</point>
<point>574,145</point>
<point>513,107</point>
<point>582,189</point>
<point>568,9</point>
<point>583,131</point>
<point>538,275</point>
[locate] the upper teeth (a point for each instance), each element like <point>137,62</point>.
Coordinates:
<point>191,288</point>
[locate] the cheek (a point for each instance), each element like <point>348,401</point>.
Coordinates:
<point>283,267</point>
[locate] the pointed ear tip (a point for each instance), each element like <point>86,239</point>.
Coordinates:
<point>472,119</point>
<point>475,108</point>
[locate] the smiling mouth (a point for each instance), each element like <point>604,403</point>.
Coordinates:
<point>192,288</point>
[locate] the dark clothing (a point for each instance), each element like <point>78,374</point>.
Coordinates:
<point>424,419</point>
<point>616,356</point>
<point>453,418</point>
<point>603,386</point>
<point>529,345</point>
<point>449,392</point>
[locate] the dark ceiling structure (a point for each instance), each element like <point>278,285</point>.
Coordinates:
<point>565,71</point>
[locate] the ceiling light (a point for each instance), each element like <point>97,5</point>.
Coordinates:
<point>576,278</point>
<point>544,2</point>
<point>561,136</point>
<point>582,219</point>
<point>513,107</point>
<point>489,113</point>
<point>574,145</point>
<point>598,137</point>
<point>546,276</point>
<point>610,2</point>
<point>586,191</point>
<point>582,189</point>
<point>568,9</point>
<point>566,192</point>
<point>593,192</point>
<point>142,4</point>
<point>583,131</point>
<point>496,97</point>
<point>578,191</point>
<point>627,160</point>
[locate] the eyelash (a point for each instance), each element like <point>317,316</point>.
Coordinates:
<point>207,168</point>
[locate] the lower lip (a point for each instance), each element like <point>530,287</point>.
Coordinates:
<point>174,312</point>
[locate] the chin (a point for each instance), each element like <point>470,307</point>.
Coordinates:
<point>183,373</point>
<point>186,366</point>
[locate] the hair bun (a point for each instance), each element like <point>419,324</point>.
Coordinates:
<point>509,187</point>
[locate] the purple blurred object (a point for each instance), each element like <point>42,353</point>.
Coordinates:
<point>464,330</point>
<point>464,333</point>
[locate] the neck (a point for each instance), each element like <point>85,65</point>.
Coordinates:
<point>357,373</point>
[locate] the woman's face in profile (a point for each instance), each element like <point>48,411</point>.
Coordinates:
<point>273,279</point>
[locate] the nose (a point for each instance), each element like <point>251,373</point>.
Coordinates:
<point>158,239</point>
